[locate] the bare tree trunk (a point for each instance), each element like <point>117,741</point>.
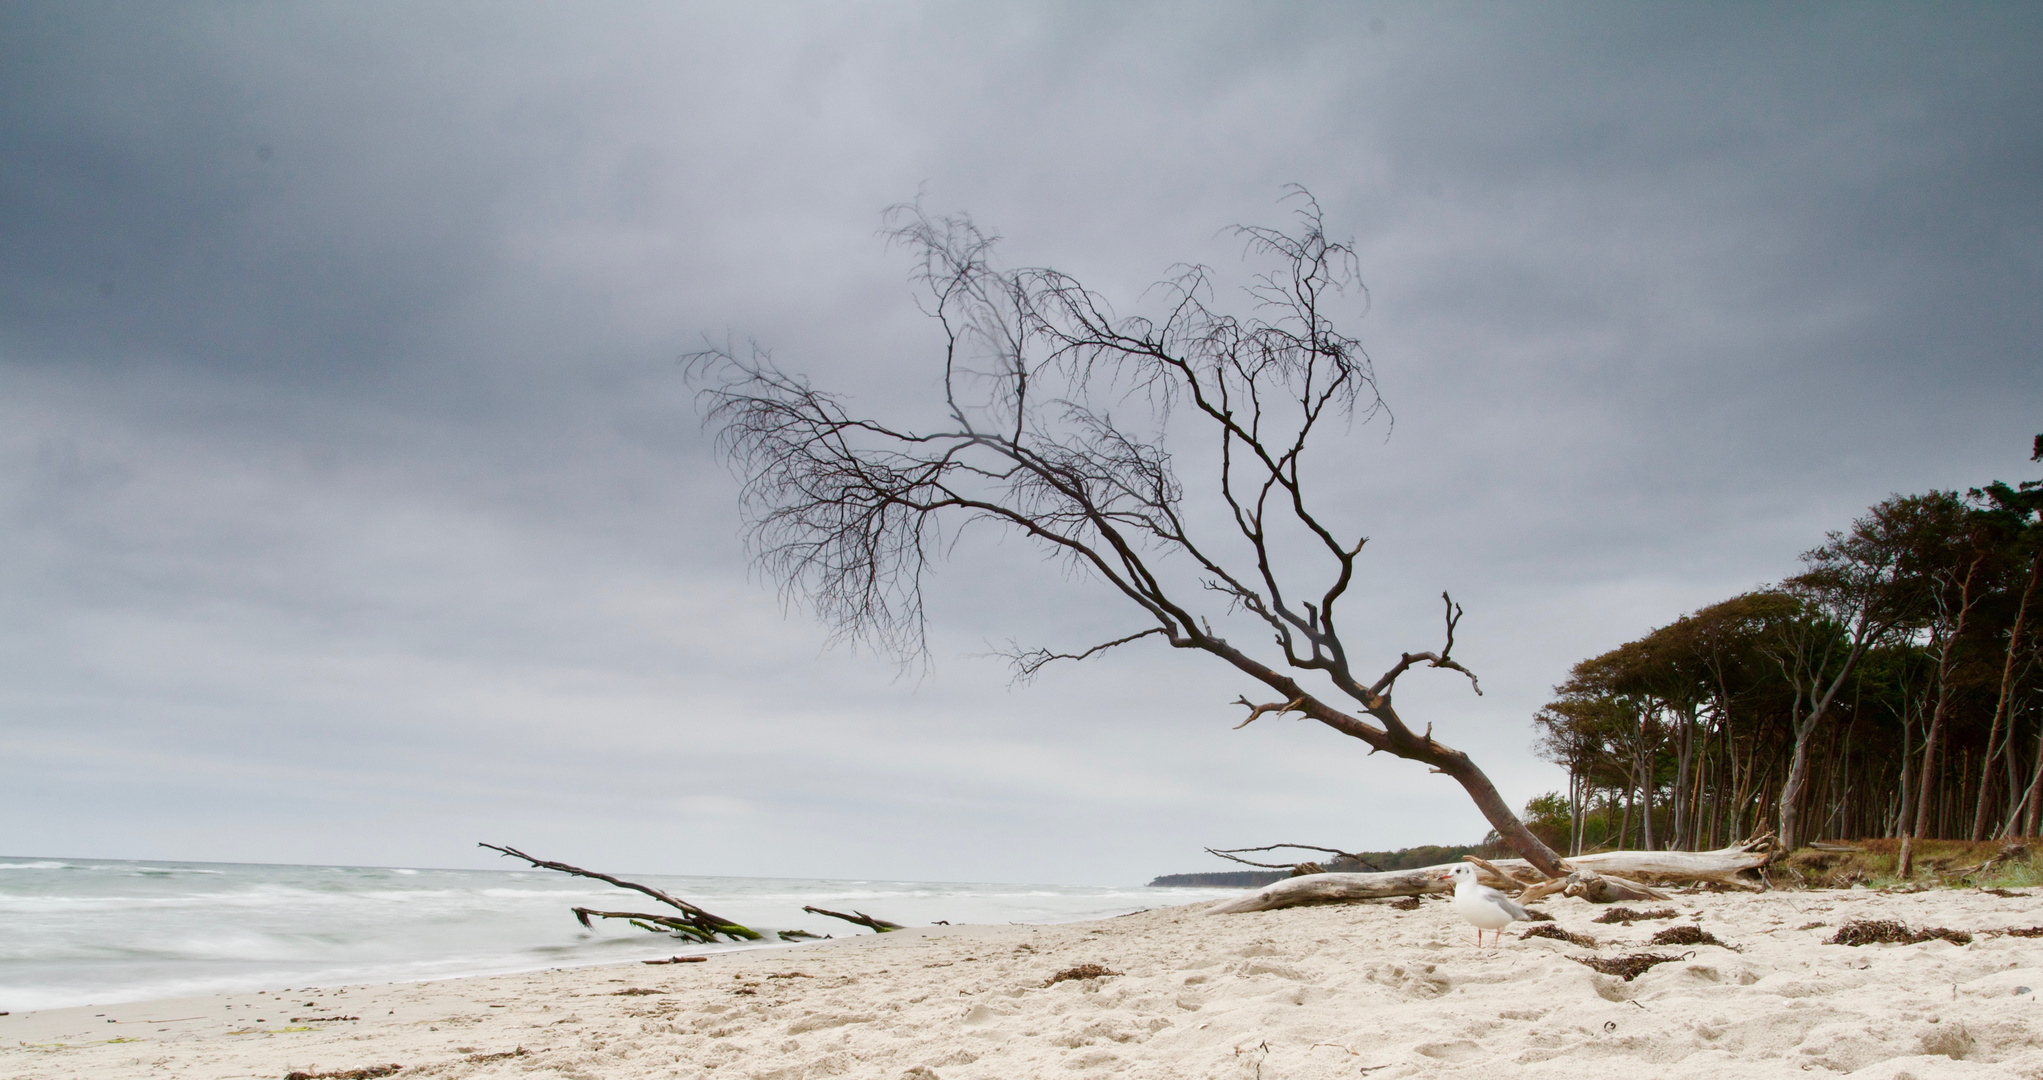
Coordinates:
<point>1791,793</point>
<point>2007,680</point>
<point>1646,762</point>
<point>2035,810</point>
<point>1946,662</point>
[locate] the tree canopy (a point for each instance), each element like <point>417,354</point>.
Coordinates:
<point>1892,688</point>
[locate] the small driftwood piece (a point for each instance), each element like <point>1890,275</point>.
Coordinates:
<point>1496,871</point>
<point>694,924</point>
<point>1736,865</point>
<point>878,926</point>
<point>1607,888</point>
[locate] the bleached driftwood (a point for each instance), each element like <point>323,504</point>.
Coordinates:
<point>1593,887</point>
<point>1737,865</point>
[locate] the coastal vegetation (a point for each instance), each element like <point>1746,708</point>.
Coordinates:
<point>1892,689</point>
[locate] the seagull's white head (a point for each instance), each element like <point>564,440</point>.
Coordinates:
<point>1461,873</point>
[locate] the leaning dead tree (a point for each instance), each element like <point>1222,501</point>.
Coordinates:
<point>1056,412</point>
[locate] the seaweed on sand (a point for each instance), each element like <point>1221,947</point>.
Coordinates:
<point>1687,935</point>
<point>1627,915</point>
<point>1082,971</point>
<point>1893,931</point>
<point>1549,930</point>
<point>1625,967</point>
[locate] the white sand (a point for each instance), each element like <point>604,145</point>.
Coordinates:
<point>1350,991</point>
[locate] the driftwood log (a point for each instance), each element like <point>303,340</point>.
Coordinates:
<point>1620,873</point>
<point>1593,887</point>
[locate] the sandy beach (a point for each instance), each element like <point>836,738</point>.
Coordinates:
<point>1343,991</point>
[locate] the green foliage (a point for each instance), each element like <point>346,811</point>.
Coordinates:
<point>1687,733</point>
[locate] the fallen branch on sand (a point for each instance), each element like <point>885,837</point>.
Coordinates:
<point>1601,878</point>
<point>879,926</point>
<point>695,924</point>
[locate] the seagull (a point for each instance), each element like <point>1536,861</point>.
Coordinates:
<point>1482,906</point>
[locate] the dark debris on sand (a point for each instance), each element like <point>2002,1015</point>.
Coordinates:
<point>1549,930</point>
<point>370,1073</point>
<point>1409,903</point>
<point>1082,971</point>
<point>1626,967</point>
<point>1627,915</point>
<point>1886,931</point>
<point>1533,914</point>
<point>2025,931</point>
<point>1687,935</point>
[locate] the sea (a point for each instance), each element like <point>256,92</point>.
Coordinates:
<point>100,931</point>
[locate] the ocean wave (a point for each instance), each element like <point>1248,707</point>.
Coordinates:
<point>106,930</point>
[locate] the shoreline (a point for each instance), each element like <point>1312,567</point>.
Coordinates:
<point>1294,993</point>
<point>87,931</point>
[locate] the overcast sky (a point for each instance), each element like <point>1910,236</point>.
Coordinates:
<point>354,508</point>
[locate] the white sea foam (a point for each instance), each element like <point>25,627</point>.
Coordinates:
<point>97,932</point>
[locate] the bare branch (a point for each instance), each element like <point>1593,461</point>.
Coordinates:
<point>878,926</point>
<point>1028,663</point>
<point>1440,659</point>
<point>1234,854</point>
<point>1258,710</point>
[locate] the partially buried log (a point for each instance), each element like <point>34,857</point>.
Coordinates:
<point>1617,871</point>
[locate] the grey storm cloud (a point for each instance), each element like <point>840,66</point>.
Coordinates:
<point>356,507</point>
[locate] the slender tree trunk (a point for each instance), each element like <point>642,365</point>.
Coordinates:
<point>2007,679</point>
<point>1624,828</point>
<point>1646,785</point>
<point>1900,826</point>
<point>1820,699</point>
<point>1791,792</point>
<point>1924,774</point>
<point>2035,810</point>
<point>1946,661</point>
<point>2025,809</point>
